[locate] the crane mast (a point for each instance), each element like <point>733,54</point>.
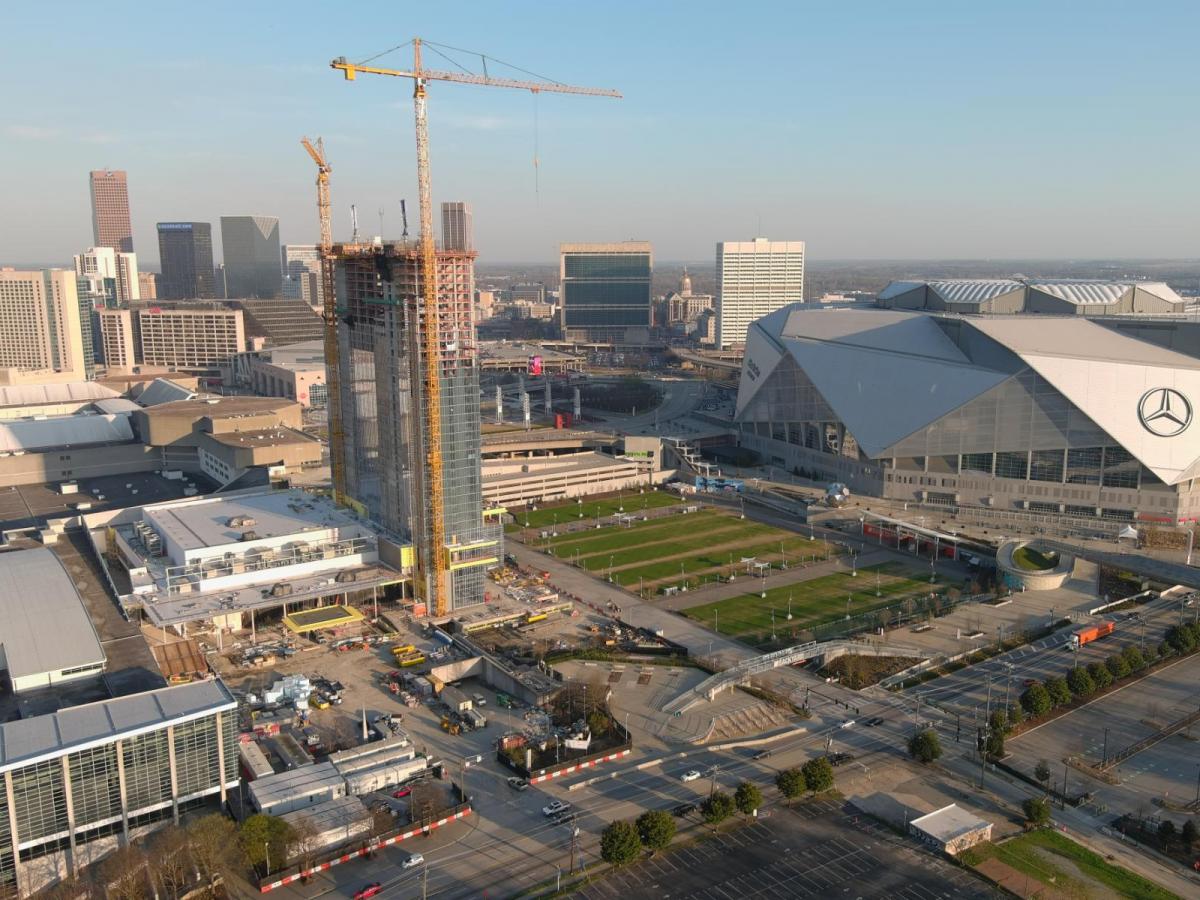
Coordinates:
<point>427,311</point>
<point>333,402</point>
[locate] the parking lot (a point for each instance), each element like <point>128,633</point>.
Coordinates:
<point>1167,769</point>
<point>817,849</point>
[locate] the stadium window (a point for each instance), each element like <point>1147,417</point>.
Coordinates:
<point>977,462</point>
<point>1046,465</point>
<point>1012,465</point>
<point>1083,465</point>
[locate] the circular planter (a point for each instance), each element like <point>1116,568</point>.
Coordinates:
<point>1019,578</point>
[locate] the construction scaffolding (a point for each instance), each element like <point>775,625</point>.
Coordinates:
<point>381,353</point>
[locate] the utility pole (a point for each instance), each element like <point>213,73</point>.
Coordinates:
<point>424,880</point>
<point>1064,791</point>
<point>712,782</point>
<point>574,840</point>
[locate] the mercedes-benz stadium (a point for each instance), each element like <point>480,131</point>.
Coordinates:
<point>1053,414</point>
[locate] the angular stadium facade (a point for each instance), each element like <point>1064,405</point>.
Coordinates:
<point>1061,297</point>
<point>1054,414</point>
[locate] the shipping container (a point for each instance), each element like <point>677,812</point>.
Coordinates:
<point>1091,633</point>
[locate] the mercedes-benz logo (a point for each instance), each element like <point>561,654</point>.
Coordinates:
<point>1164,412</point>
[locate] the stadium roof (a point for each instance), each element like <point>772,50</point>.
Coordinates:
<point>20,435</point>
<point>26,741</point>
<point>163,390</point>
<point>1072,291</point>
<point>115,405</point>
<point>48,394</point>
<point>1089,292</point>
<point>888,373</point>
<point>44,626</point>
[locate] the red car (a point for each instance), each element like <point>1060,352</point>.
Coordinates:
<point>369,891</point>
<point>403,792</point>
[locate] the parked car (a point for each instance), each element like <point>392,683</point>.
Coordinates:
<point>414,859</point>
<point>689,775</point>
<point>473,760</point>
<point>849,723</point>
<point>555,807</point>
<point>762,754</point>
<point>479,699</point>
<point>369,891</point>
<point>402,792</point>
<point>683,809</point>
<point>517,784</point>
<point>873,721</point>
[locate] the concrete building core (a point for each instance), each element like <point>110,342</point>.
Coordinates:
<point>380,380</point>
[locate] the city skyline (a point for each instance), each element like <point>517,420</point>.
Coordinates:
<point>825,129</point>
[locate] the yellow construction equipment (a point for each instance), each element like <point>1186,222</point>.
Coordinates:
<point>437,557</point>
<point>329,311</point>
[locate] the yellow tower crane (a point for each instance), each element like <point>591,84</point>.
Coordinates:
<point>333,400</point>
<point>438,558</point>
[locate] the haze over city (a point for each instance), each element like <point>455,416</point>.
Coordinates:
<point>873,130</point>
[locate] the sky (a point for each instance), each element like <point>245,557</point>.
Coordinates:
<point>998,130</point>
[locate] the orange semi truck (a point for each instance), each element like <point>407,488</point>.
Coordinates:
<point>1091,633</point>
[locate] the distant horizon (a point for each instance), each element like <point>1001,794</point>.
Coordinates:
<point>873,132</point>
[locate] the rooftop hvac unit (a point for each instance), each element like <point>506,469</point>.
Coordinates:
<point>248,536</point>
<point>345,577</point>
<point>241,522</point>
<point>282,589</point>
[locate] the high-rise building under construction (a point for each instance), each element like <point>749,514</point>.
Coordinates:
<point>382,437</point>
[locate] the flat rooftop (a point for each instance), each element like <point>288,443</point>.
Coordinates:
<point>196,525</point>
<point>220,407</point>
<point>30,505</point>
<point>263,437</point>
<point>300,782</point>
<point>949,822</point>
<point>29,740</point>
<point>549,467</point>
<point>44,626</point>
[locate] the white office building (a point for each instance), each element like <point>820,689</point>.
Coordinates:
<point>99,264</point>
<point>755,278</point>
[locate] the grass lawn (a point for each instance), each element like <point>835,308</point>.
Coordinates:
<point>569,510</point>
<point>793,547</point>
<point>617,537</point>
<point>734,530</point>
<point>1034,560</point>
<point>1022,854</point>
<point>812,602</point>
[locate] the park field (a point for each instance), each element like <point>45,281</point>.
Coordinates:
<point>569,510</point>
<point>811,602</point>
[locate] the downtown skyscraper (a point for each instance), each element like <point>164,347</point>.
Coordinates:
<point>458,227</point>
<point>250,247</point>
<point>185,252</point>
<point>605,292</point>
<point>110,210</point>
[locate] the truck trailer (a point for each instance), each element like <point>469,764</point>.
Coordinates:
<point>1091,633</point>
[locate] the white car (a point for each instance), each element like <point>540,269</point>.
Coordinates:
<point>414,859</point>
<point>849,723</point>
<point>555,807</point>
<point>689,775</point>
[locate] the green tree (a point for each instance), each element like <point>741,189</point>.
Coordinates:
<point>1189,834</point>
<point>993,744</point>
<point>265,840</point>
<point>1036,700</point>
<point>924,746</point>
<point>1059,693</point>
<point>791,783</point>
<point>1016,715</point>
<point>1181,638</point>
<point>998,721</point>
<point>1081,683</point>
<point>1101,677</point>
<point>1117,666</point>
<point>599,723</point>
<point>1165,649</point>
<point>818,774</point>
<point>747,797</point>
<point>620,843</point>
<point>717,808</point>
<point>655,829</point>
<point>1133,658</point>
<point>1042,772</point>
<point>1037,812</point>
<point>1166,833</point>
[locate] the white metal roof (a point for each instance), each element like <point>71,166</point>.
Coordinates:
<point>48,394</point>
<point>25,741</point>
<point>163,390</point>
<point>64,431</point>
<point>115,405</point>
<point>1084,292</point>
<point>948,823</point>
<point>974,290</point>
<point>302,782</point>
<point>204,522</point>
<point>44,626</point>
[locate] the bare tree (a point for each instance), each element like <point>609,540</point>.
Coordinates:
<point>122,875</point>
<point>68,888</point>
<point>305,842</point>
<point>214,846</point>
<point>169,861</point>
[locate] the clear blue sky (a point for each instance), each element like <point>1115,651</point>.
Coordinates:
<point>868,129</point>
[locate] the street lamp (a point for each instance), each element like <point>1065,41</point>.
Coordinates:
<point>789,618</point>
<point>847,607</point>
